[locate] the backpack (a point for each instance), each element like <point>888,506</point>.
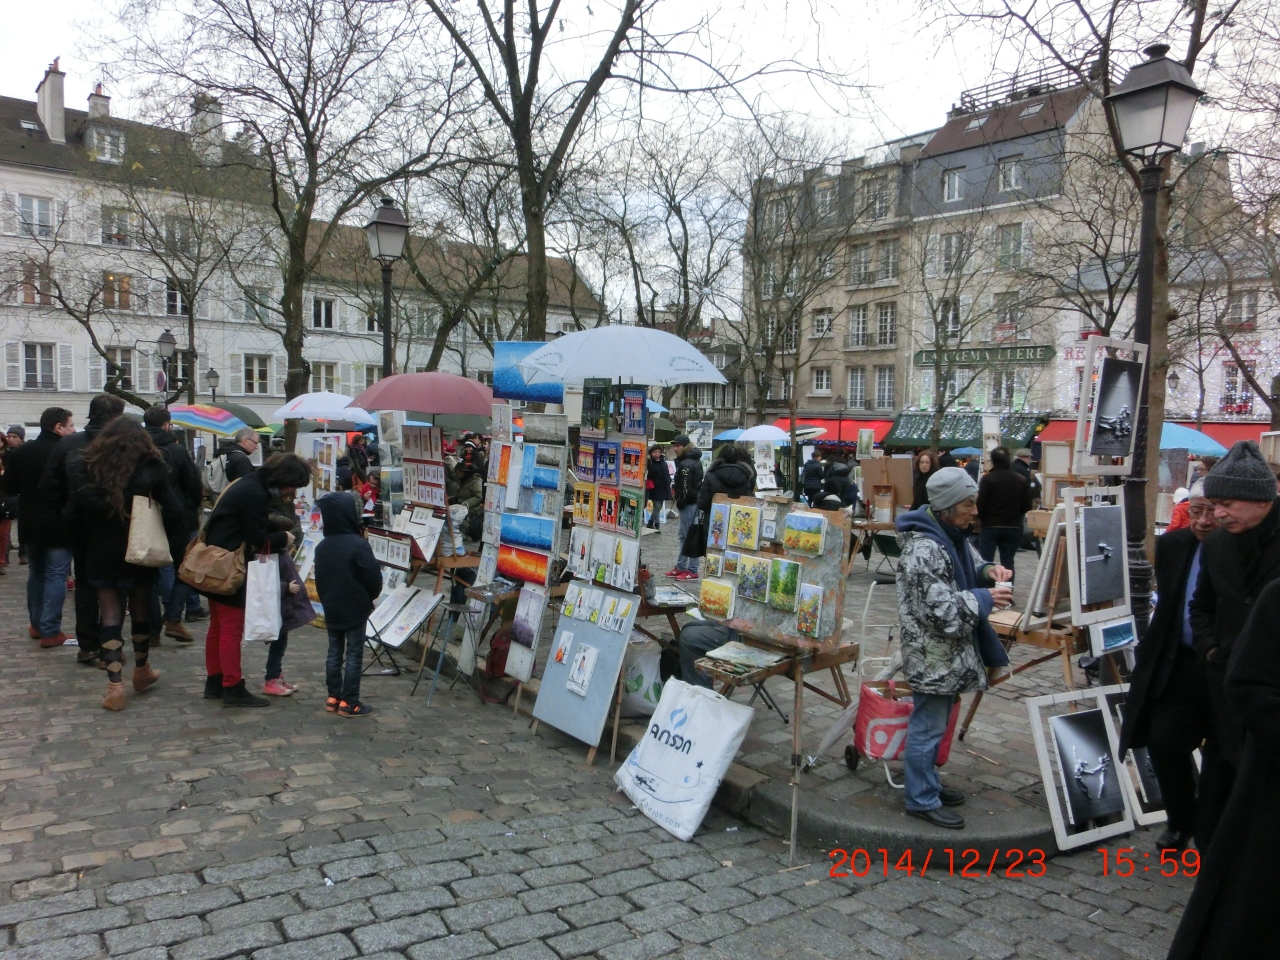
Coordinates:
<point>215,475</point>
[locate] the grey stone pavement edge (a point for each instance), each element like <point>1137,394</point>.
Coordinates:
<point>180,829</point>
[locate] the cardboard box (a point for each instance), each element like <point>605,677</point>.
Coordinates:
<point>893,472</point>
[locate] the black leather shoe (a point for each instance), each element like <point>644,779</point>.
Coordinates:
<point>939,817</point>
<point>213,687</point>
<point>1173,840</point>
<point>239,696</point>
<point>951,797</point>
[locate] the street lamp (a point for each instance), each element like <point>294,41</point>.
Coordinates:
<point>1152,109</point>
<point>387,232</point>
<point>1174,380</point>
<point>841,404</point>
<point>211,377</point>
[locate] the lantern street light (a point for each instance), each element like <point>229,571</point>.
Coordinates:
<point>211,377</point>
<point>387,232</point>
<point>1152,109</point>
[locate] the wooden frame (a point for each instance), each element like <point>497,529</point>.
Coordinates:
<point>1085,465</point>
<point>1144,814</point>
<point>1071,840</point>
<point>1072,500</point>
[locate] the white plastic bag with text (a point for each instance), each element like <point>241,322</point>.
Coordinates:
<point>262,599</point>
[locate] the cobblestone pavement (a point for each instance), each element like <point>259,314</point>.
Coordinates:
<point>180,829</point>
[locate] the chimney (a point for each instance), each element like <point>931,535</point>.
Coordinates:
<point>50,105</point>
<point>206,128</point>
<point>99,103</point>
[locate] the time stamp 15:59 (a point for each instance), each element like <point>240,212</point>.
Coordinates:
<point>970,864</point>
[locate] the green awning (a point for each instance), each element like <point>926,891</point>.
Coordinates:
<point>913,428</point>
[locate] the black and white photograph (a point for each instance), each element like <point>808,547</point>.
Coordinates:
<point>1090,778</point>
<point>1115,408</point>
<point>1102,551</point>
<point>1112,635</point>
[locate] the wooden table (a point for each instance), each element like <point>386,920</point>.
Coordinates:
<point>862,531</point>
<point>648,609</point>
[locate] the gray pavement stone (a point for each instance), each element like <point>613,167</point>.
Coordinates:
<point>661,917</point>
<point>340,870</point>
<point>554,897</point>
<point>536,926</point>
<point>586,940</point>
<point>70,925</point>
<point>319,897</point>
<point>707,928</point>
<point>183,904</point>
<point>398,934</point>
<point>657,944</point>
<point>137,889</point>
<point>430,875</point>
<point>246,871</point>
<point>473,916</point>
<point>526,951</point>
<point>72,948</point>
<point>15,913</point>
<point>332,947</point>
<point>221,945</point>
<point>498,885</point>
<point>392,905</point>
<point>596,911</point>
<point>328,852</point>
<point>314,923</point>
<point>161,933</point>
<point>255,911</point>
<point>453,947</point>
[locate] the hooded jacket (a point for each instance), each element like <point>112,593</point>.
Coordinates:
<point>731,479</point>
<point>811,475</point>
<point>238,462</point>
<point>185,476</point>
<point>688,479</point>
<point>942,608</point>
<point>240,519</point>
<point>38,518</point>
<point>656,472</point>
<point>348,578</point>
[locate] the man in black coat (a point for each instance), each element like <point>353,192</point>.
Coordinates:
<point>56,485</point>
<point>171,593</point>
<point>236,452</point>
<point>1237,562</point>
<point>48,549</point>
<point>1004,498</point>
<point>811,476</point>
<point>1022,466</point>
<point>685,488</point>
<point>1168,709</point>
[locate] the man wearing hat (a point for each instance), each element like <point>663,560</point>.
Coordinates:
<point>684,490</point>
<point>944,598</point>
<point>1237,562</point>
<point>1022,467</point>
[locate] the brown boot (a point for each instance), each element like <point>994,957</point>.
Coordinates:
<point>114,700</point>
<point>175,630</point>
<point>144,676</point>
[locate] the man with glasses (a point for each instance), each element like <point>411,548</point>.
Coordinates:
<point>1168,709</point>
<point>237,451</point>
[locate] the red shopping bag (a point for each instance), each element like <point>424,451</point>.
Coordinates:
<point>880,732</point>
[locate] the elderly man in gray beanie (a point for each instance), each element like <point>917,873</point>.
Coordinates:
<point>1236,562</point>
<point>944,597</point>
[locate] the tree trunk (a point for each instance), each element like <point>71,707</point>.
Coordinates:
<point>536,274</point>
<point>1158,359</point>
<point>293,337</point>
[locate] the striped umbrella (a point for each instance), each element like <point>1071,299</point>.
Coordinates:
<point>201,416</point>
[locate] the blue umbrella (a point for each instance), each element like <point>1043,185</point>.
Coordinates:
<point>728,435</point>
<point>967,452</point>
<point>1174,436</point>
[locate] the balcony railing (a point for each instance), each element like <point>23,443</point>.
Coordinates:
<point>1236,403</point>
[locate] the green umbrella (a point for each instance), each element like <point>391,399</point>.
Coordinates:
<point>247,414</point>
<point>664,431</point>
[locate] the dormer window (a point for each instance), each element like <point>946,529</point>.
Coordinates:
<point>1031,111</point>
<point>30,125</point>
<point>975,123</point>
<point>107,144</point>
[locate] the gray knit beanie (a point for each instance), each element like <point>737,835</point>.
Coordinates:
<point>1241,475</point>
<point>949,486</point>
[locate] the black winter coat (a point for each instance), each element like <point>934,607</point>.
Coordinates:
<point>1234,569</point>
<point>811,475</point>
<point>1003,498</point>
<point>238,463</point>
<point>240,519</point>
<point>1231,910</point>
<point>920,490</point>
<point>688,480</point>
<point>656,472</point>
<point>1024,471</point>
<point>38,518</point>
<point>1159,645</point>
<point>731,479</point>
<point>185,476</point>
<point>103,534</point>
<point>348,578</point>
<point>55,482</point>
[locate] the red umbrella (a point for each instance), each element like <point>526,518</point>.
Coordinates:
<point>434,393</point>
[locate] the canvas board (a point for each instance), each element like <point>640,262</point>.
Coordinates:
<point>1109,395</point>
<point>1097,553</point>
<point>1138,775</point>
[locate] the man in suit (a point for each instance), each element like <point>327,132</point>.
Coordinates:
<point>1168,710</point>
<point>1237,561</point>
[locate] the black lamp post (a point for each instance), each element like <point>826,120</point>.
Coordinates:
<point>841,404</point>
<point>1152,108</point>
<point>387,232</point>
<point>211,377</point>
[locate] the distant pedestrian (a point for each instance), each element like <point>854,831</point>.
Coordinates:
<point>687,485</point>
<point>1004,498</point>
<point>732,474</point>
<point>657,483</point>
<point>811,476</point>
<point>973,467</point>
<point>358,457</point>
<point>120,464</point>
<point>171,593</point>
<point>924,469</point>
<point>1022,467</point>
<point>348,580</point>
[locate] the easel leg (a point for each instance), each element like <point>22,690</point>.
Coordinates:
<point>968,717</point>
<point>796,750</point>
<point>617,719</point>
<point>591,756</point>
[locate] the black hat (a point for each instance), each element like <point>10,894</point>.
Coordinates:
<point>1242,474</point>
<point>681,440</point>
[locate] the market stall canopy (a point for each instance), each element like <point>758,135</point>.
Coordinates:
<point>1174,436</point>
<point>324,406</point>
<point>433,393</point>
<point>621,353</point>
<point>202,416</point>
<point>1225,432</point>
<point>913,429</point>
<point>733,434</point>
<point>250,416</point>
<point>837,429</point>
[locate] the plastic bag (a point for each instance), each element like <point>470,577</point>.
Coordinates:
<point>880,732</point>
<point>262,599</point>
<point>641,679</point>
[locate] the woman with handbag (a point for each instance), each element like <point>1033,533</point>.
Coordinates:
<point>657,481</point>
<point>238,526</point>
<point>116,486</point>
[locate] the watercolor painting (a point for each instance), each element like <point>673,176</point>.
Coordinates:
<point>608,453</point>
<point>551,428</point>
<point>585,468</point>
<point>630,512</point>
<point>606,508</point>
<point>715,599</point>
<point>744,527</point>
<point>632,463</point>
<point>527,530</point>
<point>584,502</point>
<point>804,533</point>
<point>809,609</point>
<point>753,578</point>
<point>730,565</point>
<point>561,650</point>
<point>635,412</point>
<point>718,526</point>
<point>509,382</point>
<point>784,582</point>
<point>579,551</point>
<point>528,620</point>
<point>528,461</point>
<point>580,671</point>
<point>527,565</point>
<point>714,566</point>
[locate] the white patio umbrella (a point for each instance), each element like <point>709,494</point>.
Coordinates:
<point>323,406</point>
<point>621,353</point>
<point>764,433</point>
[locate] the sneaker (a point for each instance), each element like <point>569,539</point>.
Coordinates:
<point>355,709</point>
<point>331,704</point>
<point>57,640</point>
<point>291,687</point>
<point>674,573</point>
<point>686,575</point>
<point>276,687</point>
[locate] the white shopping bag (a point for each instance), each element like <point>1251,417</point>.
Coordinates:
<point>262,599</point>
<point>641,679</point>
<point>674,772</point>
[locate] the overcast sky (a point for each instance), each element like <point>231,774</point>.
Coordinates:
<point>913,72</point>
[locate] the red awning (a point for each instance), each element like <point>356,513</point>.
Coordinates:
<point>837,429</point>
<point>1225,432</point>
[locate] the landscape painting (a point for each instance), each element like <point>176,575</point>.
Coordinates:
<point>753,578</point>
<point>784,584</point>
<point>715,599</point>
<point>804,533</point>
<point>809,609</point>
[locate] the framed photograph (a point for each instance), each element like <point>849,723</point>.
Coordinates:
<point>1106,426</point>
<point>1112,636</point>
<point>1077,747</point>
<point>632,472</point>
<point>635,411</point>
<point>1097,554</point>
<point>1138,780</point>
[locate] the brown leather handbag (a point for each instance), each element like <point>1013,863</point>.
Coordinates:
<point>211,569</point>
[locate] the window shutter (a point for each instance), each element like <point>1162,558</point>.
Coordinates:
<point>12,365</point>
<point>931,257</point>
<point>967,320</point>
<point>144,383</point>
<point>990,252</point>
<point>345,386</point>
<point>66,368</point>
<point>97,372</point>
<point>10,212</point>
<point>235,380</point>
<point>280,370</point>
<point>91,222</point>
<point>1028,247</point>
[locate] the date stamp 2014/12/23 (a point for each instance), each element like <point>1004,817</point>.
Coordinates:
<point>1010,863</point>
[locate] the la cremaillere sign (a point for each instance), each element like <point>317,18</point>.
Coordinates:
<point>986,356</point>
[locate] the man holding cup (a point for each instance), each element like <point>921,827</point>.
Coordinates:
<point>945,594</point>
